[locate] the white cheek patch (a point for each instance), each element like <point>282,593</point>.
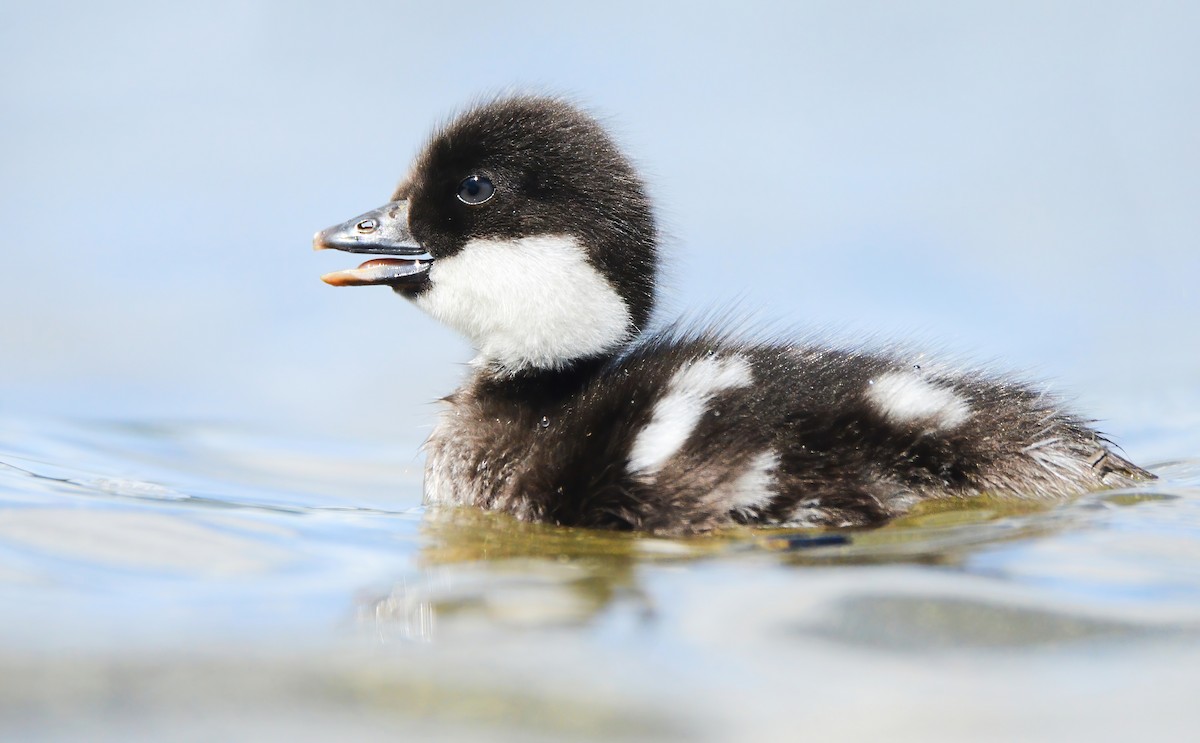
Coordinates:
<point>676,414</point>
<point>532,302</point>
<point>903,397</point>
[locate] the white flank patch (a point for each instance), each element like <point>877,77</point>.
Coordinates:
<point>903,398</point>
<point>536,301</point>
<point>676,414</point>
<point>809,514</point>
<point>808,517</point>
<point>753,488</point>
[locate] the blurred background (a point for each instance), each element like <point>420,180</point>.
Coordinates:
<point>1010,182</point>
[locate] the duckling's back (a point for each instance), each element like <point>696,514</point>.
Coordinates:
<point>687,435</point>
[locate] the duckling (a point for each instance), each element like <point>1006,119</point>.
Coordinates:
<point>522,226</point>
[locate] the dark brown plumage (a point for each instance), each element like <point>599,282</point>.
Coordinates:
<point>541,248</point>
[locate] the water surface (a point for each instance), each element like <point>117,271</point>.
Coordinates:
<point>198,581</point>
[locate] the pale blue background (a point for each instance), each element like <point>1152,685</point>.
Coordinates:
<point>1012,181</point>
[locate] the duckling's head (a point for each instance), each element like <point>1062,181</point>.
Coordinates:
<point>522,226</point>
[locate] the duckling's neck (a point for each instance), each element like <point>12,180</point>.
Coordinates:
<point>532,383</point>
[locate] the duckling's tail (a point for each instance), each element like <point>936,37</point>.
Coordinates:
<point>1117,472</point>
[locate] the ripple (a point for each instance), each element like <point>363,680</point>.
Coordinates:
<point>126,542</point>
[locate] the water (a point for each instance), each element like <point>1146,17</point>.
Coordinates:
<point>190,582</point>
<point>1012,180</point>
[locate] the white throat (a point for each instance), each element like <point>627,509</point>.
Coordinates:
<point>531,302</point>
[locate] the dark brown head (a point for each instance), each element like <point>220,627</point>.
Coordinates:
<point>521,225</point>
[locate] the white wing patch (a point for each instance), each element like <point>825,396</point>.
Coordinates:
<point>676,414</point>
<point>903,397</point>
<point>535,301</point>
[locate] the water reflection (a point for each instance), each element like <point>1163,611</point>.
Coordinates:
<point>148,544</point>
<point>924,624</point>
<point>478,572</point>
<point>479,569</point>
<point>490,569</point>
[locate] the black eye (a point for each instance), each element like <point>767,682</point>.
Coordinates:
<point>475,190</point>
